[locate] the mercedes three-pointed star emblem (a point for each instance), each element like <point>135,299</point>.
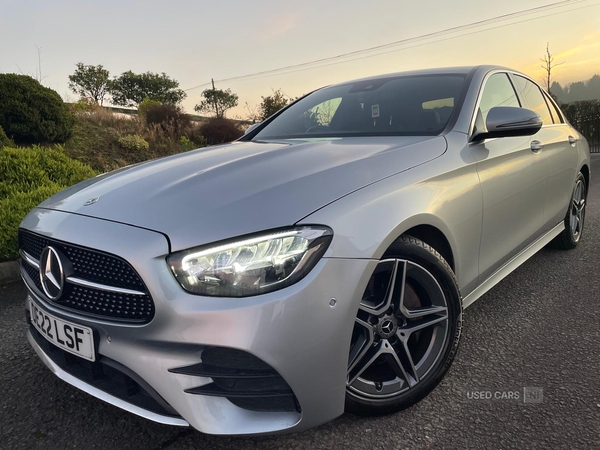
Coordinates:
<point>52,274</point>
<point>91,201</point>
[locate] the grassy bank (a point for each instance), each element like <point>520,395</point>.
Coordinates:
<point>100,139</point>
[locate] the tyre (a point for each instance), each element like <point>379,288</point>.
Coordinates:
<point>575,218</point>
<point>406,332</point>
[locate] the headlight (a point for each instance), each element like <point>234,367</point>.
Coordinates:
<point>251,266</point>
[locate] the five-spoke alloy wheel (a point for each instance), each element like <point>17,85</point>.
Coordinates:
<point>578,210</point>
<point>406,330</point>
<point>575,218</point>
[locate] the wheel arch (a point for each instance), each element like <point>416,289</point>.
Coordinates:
<point>430,229</point>
<point>585,170</point>
<point>435,238</point>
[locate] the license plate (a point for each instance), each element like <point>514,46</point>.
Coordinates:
<point>70,337</point>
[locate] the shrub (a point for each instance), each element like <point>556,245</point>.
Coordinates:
<point>165,115</point>
<point>84,105</point>
<point>5,141</point>
<point>28,176</point>
<point>221,130</point>
<point>193,134</point>
<point>143,107</point>
<point>134,142</point>
<point>185,144</point>
<point>31,113</point>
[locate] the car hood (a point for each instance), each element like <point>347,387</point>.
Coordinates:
<point>220,192</point>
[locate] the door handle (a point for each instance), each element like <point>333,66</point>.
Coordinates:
<point>536,146</point>
<point>572,140</point>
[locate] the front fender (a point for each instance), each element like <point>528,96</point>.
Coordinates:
<point>443,193</point>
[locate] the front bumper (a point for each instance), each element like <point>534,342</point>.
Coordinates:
<point>294,330</point>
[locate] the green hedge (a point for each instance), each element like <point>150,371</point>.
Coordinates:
<point>4,140</point>
<point>28,176</point>
<point>31,113</point>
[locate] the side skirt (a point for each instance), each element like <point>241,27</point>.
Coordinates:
<point>512,264</point>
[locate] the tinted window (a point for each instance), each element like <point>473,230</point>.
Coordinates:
<point>409,105</point>
<point>498,91</point>
<point>534,99</point>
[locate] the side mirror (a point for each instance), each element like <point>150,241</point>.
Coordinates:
<point>507,121</point>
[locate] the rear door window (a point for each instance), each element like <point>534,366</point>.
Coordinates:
<point>534,99</point>
<point>556,115</point>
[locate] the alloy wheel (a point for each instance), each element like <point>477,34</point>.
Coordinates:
<point>578,210</point>
<point>400,331</point>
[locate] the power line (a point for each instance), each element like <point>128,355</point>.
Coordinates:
<point>319,62</point>
<point>417,45</point>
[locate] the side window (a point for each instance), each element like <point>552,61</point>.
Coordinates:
<point>534,99</point>
<point>498,91</point>
<point>554,110</point>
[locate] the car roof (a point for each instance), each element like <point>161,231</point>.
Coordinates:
<point>460,70</point>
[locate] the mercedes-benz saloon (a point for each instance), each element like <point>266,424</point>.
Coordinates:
<point>319,264</point>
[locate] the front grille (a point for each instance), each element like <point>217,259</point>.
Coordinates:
<point>108,376</point>
<point>89,264</point>
<point>243,379</point>
<point>108,271</point>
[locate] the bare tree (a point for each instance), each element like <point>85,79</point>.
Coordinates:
<point>548,65</point>
<point>253,115</point>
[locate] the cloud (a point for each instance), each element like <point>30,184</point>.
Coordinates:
<point>572,63</point>
<point>279,25</point>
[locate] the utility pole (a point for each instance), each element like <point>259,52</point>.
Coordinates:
<point>39,49</point>
<point>215,97</point>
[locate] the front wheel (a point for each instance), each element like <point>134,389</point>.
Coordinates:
<point>575,218</point>
<point>406,332</point>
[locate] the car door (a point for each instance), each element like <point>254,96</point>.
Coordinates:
<point>512,173</point>
<point>558,142</point>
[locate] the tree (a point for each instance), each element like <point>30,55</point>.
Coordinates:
<point>557,91</point>
<point>272,103</point>
<point>548,65</point>
<point>577,91</point>
<point>131,89</point>
<point>593,87</point>
<point>217,101</point>
<point>90,82</point>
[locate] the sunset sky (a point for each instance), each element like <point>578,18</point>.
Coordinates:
<point>193,41</point>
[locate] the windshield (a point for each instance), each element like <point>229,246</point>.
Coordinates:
<point>405,105</point>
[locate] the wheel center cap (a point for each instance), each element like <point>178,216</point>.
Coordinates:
<point>387,326</point>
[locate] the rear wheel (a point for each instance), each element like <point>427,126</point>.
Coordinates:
<point>575,218</point>
<point>406,332</point>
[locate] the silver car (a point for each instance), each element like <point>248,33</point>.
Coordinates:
<point>319,264</point>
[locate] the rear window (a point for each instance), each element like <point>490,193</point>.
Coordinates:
<point>408,105</point>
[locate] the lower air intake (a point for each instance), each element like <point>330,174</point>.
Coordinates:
<point>243,379</point>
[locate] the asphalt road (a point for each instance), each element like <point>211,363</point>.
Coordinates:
<point>539,328</point>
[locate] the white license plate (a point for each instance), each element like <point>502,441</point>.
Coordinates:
<point>70,337</point>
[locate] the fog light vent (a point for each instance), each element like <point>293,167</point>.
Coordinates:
<point>243,379</point>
